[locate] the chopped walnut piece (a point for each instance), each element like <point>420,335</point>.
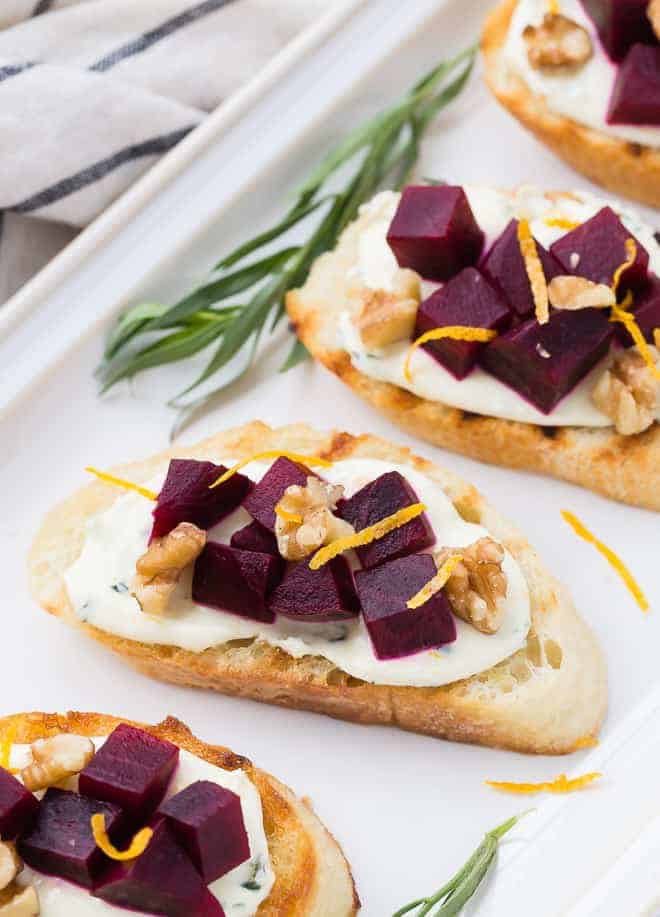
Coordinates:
<point>159,569</point>
<point>388,317</point>
<point>628,393</point>
<point>477,584</point>
<point>10,864</point>
<point>558,44</point>
<point>19,902</point>
<point>311,522</point>
<point>653,13</point>
<point>56,759</point>
<point>569,292</point>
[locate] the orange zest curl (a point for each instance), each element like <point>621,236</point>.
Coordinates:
<point>295,518</point>
<point>270,454</point>
<point>631,583</point>
<point>366,536</point>
<point>120,482</point>
<point>455,332</point>
<point>560,785</point>
<point>631,255</point>
<point>136,848</point>
<point>535,272</point>
<point>438,582</point>
<point>620,315</point>
<point>561,223</point>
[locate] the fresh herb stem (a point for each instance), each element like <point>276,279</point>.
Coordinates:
<point>452,897</point>
<point>382,153</point>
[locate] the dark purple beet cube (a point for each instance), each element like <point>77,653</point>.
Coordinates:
<point>621,24</point>
<point>207,820</point>
<point>17,806</point>
<point>131,769</point>
<point>395,629</point>
<point>237,581</point>
<point>595,250</point>
<point>163,880</point>
<point>434,231</point>
<point>254,537</point>
<point>544,362</point>
<point>466,299</point>
<point>261,503</point>
<point>635,97</point>
<point>326,594</point>
<point>505,267</point>
<point>377,500</point>
<point>186,496</point>
<point>61,843</point>
<point>646,310</point>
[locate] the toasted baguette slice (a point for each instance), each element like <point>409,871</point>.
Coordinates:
<point>543,699</point>
<point>625,468</point>
<point>630,169</point>
<point>312,877</point>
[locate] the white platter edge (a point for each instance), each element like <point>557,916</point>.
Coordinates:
<point>316,70</point>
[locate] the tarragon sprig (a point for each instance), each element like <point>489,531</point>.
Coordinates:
<point>452,897</point>
<point>233,309</point>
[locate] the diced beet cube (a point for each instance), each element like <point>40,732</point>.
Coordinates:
<point>621,24</point>
<point>646,310</point>
<point>377,500</point>
<point>186,496</point>
<point>467,299</point>
<point>131,769</point>
<point>635,97</point>
<point>254,537</point>
<point>237,581</point>
<point>61,842</point>
<point>598,247</point>
<point>505,267</point>
<point>434,231</point>
<point>17,806</point>
<point>261,503</point>
<point>395,629</point>
<point>163,880</point>
<point>207,820</point>
<point>544,362</point>
<point>326,594</point>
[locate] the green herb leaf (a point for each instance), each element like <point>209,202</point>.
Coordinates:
<point>381,153</point>
<point>450,900</point>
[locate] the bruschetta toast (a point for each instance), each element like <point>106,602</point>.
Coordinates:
<point>493,654</point>
<point>272,855</point>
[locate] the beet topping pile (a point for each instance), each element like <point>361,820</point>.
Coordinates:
<point>434,232</point>
<point>250,578</point>
<point>198,835</point>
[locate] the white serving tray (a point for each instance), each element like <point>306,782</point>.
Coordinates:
<point>407,809</point>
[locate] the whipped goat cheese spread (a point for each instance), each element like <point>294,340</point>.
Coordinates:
<point>480,393</point>
<point>98,581</point>
<point>582,95</point>
<point>240,892</point>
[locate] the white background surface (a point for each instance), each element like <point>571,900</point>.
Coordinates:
<point>407,809</point>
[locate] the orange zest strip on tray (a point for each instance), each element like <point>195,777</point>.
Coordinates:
<point>436,584</point>
<point>120,482</point>
<point>631,254</point>
<point>136,848</point>
<point>585,742</point>
<point>455,332</point>
<point>366,536</point>
<point>288,517</point>
<point>561,223</point>
<point>583,532</point>
<point>620,315</point>
<point>560,785</point>
<point>270,454</point>
<point>535,272</point>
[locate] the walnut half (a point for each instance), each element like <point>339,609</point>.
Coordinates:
<point>19,902</point>
<point>628,392</point>
<point>161,566</point>
<point>477,584</point>
<point>558,45</point>
<point>653,13</point>
<point>388,317</point>
<point>56,759</point>
<point>307,520</point>
<point>570,292</point>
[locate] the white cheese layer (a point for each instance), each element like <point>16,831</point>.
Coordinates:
<point>583,95</point>
<point>240,892</point>
<point>479,392</point>
<point>116,538</point>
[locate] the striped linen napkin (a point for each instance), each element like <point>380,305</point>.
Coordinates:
<point>92,92</point>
